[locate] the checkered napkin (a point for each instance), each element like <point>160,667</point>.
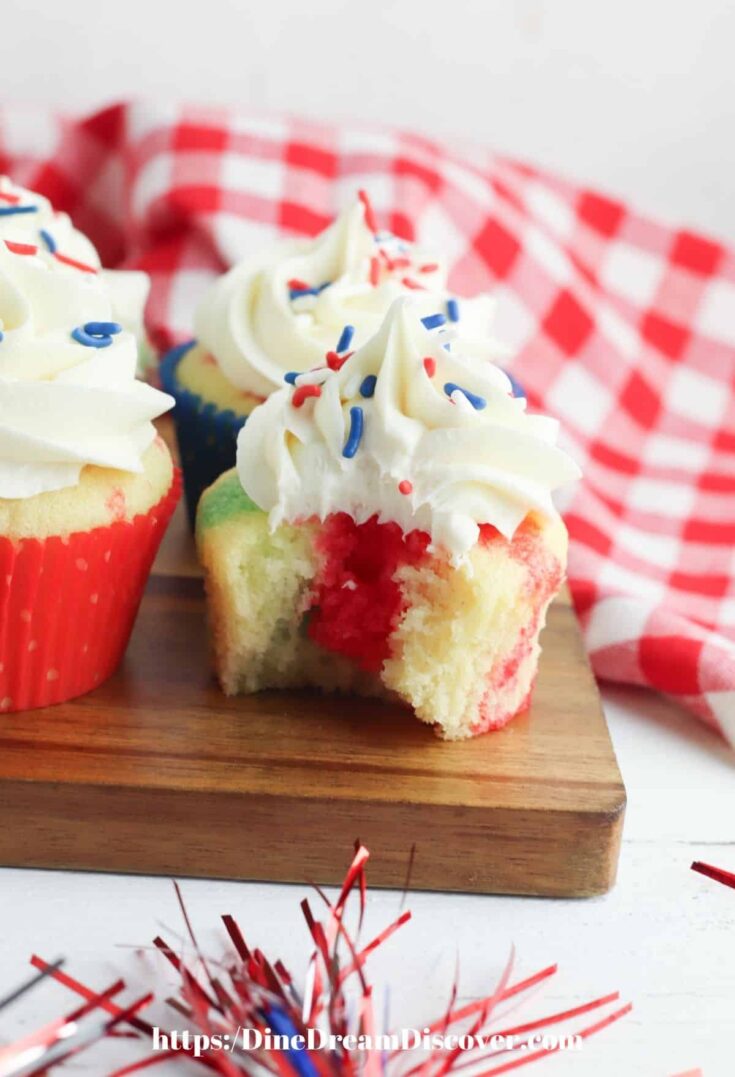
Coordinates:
<point>621,327</point>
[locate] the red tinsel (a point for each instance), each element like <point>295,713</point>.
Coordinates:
<point>718,874</point>
<point>219,999</point>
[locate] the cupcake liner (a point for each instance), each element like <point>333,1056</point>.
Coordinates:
<point>68,604</point>
<point>207,435</point>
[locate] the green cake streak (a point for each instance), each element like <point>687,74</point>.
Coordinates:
<point>223,501</point>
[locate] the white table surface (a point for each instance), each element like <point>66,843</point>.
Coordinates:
<point>664,937</point>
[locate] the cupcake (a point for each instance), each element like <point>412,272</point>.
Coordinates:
<point>27,218</point>
<point>390,530</point>
<point>280,312</point>
<point>86,487</point>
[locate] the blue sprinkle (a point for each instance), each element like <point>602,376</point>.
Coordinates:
<point>2,335</point>
<point>102,329</point>
<point>297,293</point>
<point>516,386</point>
<point>291,377</point>
<point>89,341</point>
<point>10,211</point>
<point>477,402</point>
<point>96,334</point>
<point>48,239</point>
<point>346,339</point>
<point>355,435</point>
<point>367,389</point>
<point>433,321</point>
<point>453,310</point>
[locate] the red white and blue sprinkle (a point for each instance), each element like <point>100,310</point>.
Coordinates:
<point>303,392</point>
<point>96,334</point>
<point>477,402</point>
<point>453,310</point>
<point>370,219</point>
<point>345,339</point>
<point>367,386</point>
<point>67,261</point>
<point>12,211</point>
<point>48,239</point>
<point>405,487</point>
<point>433,321</point>
<point>20,248</point>
<point>299,293</point>
<point>355,435</point>
<point>518,390</point>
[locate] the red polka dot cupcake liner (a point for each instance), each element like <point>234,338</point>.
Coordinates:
<point>68,605</point>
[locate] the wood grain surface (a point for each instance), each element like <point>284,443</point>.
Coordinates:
<point>158,772</point>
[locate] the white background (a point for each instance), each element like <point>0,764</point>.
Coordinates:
<point>635,96</point>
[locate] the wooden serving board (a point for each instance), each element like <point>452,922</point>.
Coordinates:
<point>158,772</point>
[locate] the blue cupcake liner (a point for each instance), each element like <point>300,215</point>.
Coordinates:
<point>207,435</point>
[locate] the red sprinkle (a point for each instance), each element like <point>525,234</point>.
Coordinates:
<point>335,361</point>
<point>13,199</point>
<point>374,272</point>
<point>370,220</point>
<point>429,267</point>
<point>430,366</point>
<point>408,282</point>
<point>405,487</point>
<point>303,392</point>
<point>400,263</point>
<point>297,285</point>
<point>74,263</point>
<point>20,248</point>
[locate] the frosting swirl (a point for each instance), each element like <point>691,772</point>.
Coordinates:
<point>283,309</point>
<point>27,217</point>
<point>407,429</point>
<point>68,393</point>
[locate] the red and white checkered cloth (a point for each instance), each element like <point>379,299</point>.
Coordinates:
<point>623,328</point>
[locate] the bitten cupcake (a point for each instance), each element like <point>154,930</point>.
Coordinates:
<point>86,487</point>
<point>282,311</point>
<point>390,530</point>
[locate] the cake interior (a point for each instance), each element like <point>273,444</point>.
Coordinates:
<point>366,609</point>
<point>200,373</point>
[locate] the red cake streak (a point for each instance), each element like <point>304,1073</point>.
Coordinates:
<point>356,602</point>
<point>543,581</point>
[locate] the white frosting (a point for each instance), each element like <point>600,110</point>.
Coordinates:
<point>257,332</point>
<point>466,466</point>
<point>128,288</point>
<point>63,404</point>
